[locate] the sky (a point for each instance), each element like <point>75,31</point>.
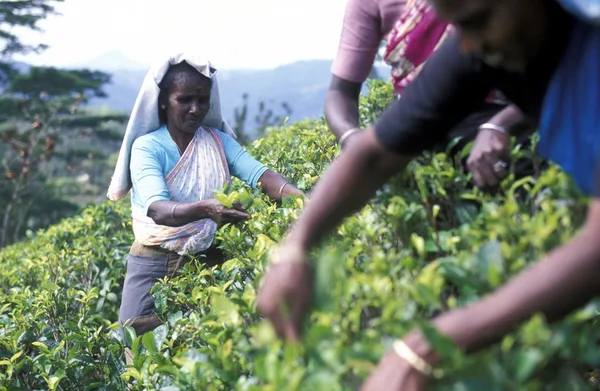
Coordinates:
<point>240,34</point>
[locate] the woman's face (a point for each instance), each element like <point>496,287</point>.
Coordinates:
<point>188,103</point>
<point>503,33</point>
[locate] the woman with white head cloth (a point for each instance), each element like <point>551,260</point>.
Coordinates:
<point>176,151</point>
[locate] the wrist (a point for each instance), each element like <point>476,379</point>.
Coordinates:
<point>417,342</point>
<point>201,210</point>
<point>282,193</point>
<point>347,134</point>
<point>489,126</point>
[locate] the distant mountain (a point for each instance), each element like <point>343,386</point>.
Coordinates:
<point>111,61</point>
<point>302,85</point>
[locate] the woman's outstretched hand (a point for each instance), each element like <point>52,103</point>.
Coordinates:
<point>286,291</point>
<point>222,215</point>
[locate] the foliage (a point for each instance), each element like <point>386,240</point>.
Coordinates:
<point>427,242</point>
<point>43,134</point>
<point>22,14</point>
<point>60,292</point>
<point>43,138</point>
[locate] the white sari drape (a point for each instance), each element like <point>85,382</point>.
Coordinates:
<point>201,170</point>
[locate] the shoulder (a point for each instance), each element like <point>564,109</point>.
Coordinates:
<point>357,10</point>
<point>150,141</point>
<point>224,137</point>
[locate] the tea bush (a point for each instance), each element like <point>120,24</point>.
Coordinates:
<point>426,243</point>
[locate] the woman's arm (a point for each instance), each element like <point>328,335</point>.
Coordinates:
<point>177,214</point>
<point>341,106</point>
<point>245,167</point>
<point>352,65</point>
<point>347,185</point>
<point>277,187</point>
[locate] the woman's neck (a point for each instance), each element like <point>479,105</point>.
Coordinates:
<point>181,139</point>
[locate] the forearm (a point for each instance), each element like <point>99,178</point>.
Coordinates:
<point>347,185</point>
<point>176,214</point>
<point>276,186</point>
<point>341,106</point>
<point>561,283</point>
<point>512,120</point>
<point>341,113</point>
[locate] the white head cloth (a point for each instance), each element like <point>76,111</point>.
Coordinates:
<point>144,116</point>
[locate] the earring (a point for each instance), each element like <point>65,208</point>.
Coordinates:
<point>163,107</point>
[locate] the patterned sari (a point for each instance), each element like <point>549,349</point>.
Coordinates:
<point>201,170</point>
<point>417,34</point>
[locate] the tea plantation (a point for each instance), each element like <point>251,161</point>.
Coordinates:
<point>427,242</point>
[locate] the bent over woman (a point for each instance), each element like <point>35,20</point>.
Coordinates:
<point>176,152</point>
<point>413,33</point>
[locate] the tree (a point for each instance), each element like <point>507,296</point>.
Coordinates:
<point>264,118</point>
<point>24,14</point>
<point>42,126</point>
<point>44,136</point>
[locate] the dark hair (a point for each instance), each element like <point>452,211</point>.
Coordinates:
<point>182,69</point>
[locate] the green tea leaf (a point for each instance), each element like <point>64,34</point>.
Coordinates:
<point>224,200</point>
<point>49,286</point>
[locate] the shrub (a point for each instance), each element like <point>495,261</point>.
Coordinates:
<point>426,243</point>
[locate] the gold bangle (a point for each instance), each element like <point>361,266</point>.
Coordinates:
<point>282,187</point>
<point>287,253</point>
<point>407,354</point>
<point>347,134</point>
<point>173,212</point>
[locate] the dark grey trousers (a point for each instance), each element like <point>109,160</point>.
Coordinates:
<point>145,266</point>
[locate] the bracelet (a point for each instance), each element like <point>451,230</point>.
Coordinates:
<point>287,253</point>
<point>496,128</point>
<point>173,211</point>
<point>282,187</point>
<point>406,353</point>
<point>347,134</point>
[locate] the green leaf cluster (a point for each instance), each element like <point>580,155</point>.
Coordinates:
<point>426,243</point>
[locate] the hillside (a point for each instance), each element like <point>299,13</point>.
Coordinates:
<point>303,85</point>
<point>428,242</point>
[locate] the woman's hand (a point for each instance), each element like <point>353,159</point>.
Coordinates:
<point>286,292</point>
<point>488,161</point>
<point>222,215</point>
<point>394,374</point>
<point>490,155</point>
